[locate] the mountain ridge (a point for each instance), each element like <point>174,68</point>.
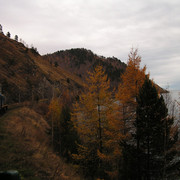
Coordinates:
<point>26,75</point>
<point>80,61</point>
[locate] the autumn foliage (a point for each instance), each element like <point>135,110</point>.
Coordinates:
<point>99,120</point>
<point>132,79</point>
<point>91,119</point>
<point>110,143</point>
<point>63,134</point>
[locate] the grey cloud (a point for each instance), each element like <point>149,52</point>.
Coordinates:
<point>107,27</point>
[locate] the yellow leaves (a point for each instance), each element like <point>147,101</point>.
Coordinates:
<point>94,102</point>
<point>102,156</point>
<point>82,154</point>
<point>55,109</point>
<point>90,117</point>
<point>101,120</point>
<point>98,85</point>
<point>110,157</point>
<point>132,79</point>
<point>117,152</point>
<point>120,112</point>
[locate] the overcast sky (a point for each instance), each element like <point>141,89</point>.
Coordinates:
<point>107,27</point>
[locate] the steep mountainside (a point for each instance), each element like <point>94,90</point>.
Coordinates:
<point>80,61</point>
<point>25,75</point>
<point>25,146</point>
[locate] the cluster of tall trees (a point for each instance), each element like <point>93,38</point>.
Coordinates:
<point>126,134</point>
<point>63,135</point>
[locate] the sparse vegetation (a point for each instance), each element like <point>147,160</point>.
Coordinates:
<point>16,38</point>
<point>80,61</point>
<point>110,123</point>
<point>8,34</point>
<point>25,147</point>
<point>26,75</point>
<point>1,29</point>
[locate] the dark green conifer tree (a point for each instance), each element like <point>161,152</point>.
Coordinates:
<point>1,31</point>
<point>65,136</point>
<point>8,34</point>
<point>16,37</point>
<point>155,135</point>
<point>68,135</point>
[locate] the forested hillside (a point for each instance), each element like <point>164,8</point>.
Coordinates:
<point>82,116</point>
<point>80,61</point>
<point>26,146</point>
<point>25,75</point>
<point>131,136</point>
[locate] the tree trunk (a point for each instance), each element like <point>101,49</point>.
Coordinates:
<point>100,129</point>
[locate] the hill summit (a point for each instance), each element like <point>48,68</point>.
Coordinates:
<point>79,61</point>
<point>26,75</point>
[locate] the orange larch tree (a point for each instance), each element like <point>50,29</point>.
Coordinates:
<point>132,81</point>
<point>90,120</point>
<point>111,156</point>
<point>120,120</point>
<point>54,112</point>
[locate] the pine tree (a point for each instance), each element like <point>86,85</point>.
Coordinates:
<point>155,133</point>
<point>54,112</point>
<point>68,137</point>
<point>64,135</point>
<point>16,37</point>
<point>8,34</point>
<point>112,154</point>
<point>1,29</point>
<point>90,120</point>
<point>132,81</point>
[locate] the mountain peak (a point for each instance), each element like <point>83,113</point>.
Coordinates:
<point>80,60</point>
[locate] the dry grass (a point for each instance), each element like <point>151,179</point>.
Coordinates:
<point>21,69</point>
<point>57,73</point>
<point>26,147</point>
